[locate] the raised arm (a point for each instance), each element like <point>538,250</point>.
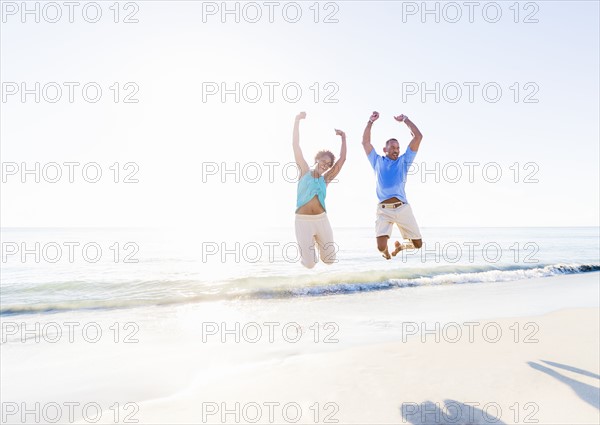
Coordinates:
<point>337,167</point>
<point>300,161</point>
<point>417,136</point>
<point>367,146</point>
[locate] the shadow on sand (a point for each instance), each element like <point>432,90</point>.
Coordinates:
<point>586,392</point>
<point>453,412</point>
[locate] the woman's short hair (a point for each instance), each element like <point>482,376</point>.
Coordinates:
<point>325,152</point>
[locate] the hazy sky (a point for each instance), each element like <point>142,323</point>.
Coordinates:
<point>541,130</point>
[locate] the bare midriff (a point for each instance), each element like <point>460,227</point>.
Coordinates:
<point>391,200</point>
<point>312,207</point>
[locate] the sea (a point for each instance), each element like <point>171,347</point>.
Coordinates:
<point>48,270</point>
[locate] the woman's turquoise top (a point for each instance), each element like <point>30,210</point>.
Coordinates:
<point>308,187</point>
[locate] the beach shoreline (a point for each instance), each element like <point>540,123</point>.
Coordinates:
<point>360,358</point>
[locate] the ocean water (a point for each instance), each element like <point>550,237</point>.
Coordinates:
<point>47,270</point>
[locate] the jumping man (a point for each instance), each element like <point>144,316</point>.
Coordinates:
<point>391,171</point>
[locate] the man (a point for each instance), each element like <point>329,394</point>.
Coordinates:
<point>391,171</point>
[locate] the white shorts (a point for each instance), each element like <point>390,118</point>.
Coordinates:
<point>402,216</point>
<point>311,229</point>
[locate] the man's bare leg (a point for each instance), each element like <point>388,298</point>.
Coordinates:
<point>413,244</point>
<point>382,246</point>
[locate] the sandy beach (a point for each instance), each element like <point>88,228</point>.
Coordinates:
<point>313,212</point>
<point>511,352</point>
<point>432,383</point>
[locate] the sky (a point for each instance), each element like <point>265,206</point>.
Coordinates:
<point>172,151</point>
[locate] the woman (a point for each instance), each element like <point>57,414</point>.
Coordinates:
<point>312,224</point>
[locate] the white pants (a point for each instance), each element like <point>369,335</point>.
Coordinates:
<point>402,216</point>
<point>311,229</point>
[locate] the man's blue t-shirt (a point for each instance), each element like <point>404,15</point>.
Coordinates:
<point>391,175</point>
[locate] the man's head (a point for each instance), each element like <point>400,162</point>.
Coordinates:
<point>324,161</point>
<point>392,149</point>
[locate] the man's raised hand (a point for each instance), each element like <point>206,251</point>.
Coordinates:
<point>374,116</point>
<point>400,118</point>
<point>301,116</point>
<point>340,133</point>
